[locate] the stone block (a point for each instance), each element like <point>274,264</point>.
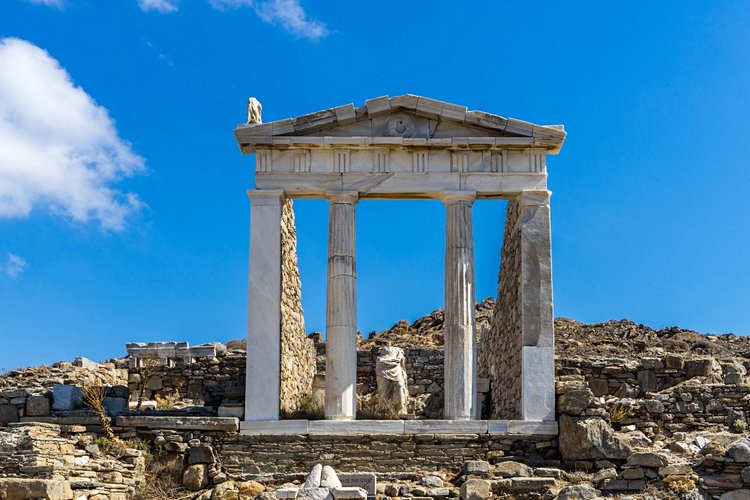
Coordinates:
<point>446,427</point>
<point>578,492</point>
<point>512,469</point>
<point>19,489</point>
<point>475,489</point>
<point>8,414</point>
<point>66,397</point>
<point>115,406</point>
<point>287,493</point>
<point>648,459</point>
<point>328,478</point>
<point>231,411</point>
<point>195,477</point>
<point>273,427</point>
<point>365,480</point>
<point>155,383</point>
<point>314,494</point>
<point>202,454</point>
<point>180,423</point>
<point>476,468</point>
<point>365,427</point>
<point>86,363</point>
<point>346,493</point>
<point>531,483</point>
<point>532,428</point>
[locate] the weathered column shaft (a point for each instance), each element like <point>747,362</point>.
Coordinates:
<point>537,326</point>
<point>341,308</point>
<point>460,326</point>
<point>264,307</point>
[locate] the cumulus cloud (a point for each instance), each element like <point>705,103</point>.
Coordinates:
<point>14,265</point>
<point>292,17</point>
<point>59,149</point>
<point>163,6</point>
<point>49,3</point>
<point>288,14</point>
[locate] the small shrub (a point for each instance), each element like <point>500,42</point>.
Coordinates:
<point>369,408</point>
<point>681,485</point>
<point>167,402</point>
<point>739,425</point>
<point>619,413</point>
<point>306,409</point>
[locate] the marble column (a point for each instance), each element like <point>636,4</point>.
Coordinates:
<point>460,326</point>
<point>341,308</point>
<point>264,307</point>
<point>537,327</point>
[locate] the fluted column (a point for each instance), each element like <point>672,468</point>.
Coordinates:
<point>341,308</point>
<point>460,327</point>
<point>263,370</point>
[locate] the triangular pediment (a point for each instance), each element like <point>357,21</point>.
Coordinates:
<point>408,116</point>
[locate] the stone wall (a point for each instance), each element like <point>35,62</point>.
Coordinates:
<point>665,394</point>
<point>43,458</point>
<point>214,380</point>
<point>297,351</point>
<point>385,454</point>
<point>499,350</point>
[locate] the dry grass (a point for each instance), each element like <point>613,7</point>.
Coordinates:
<point>370,408</point>
<point>93,396</point>
<point>163,479</point>
<point>619,413</point>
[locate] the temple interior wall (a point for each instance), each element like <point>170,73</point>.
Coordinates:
<point>499,351</point>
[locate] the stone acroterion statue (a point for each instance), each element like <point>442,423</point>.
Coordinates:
<point>390,369</point>
<point>254,111</point>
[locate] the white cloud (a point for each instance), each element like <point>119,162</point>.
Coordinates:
<point>60,149</point>
<point>289,14</point>
<point>15,265</point>
<point>49,3</point>
<point>163,6</point>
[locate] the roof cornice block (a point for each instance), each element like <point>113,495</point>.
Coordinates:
<point>476,123</point>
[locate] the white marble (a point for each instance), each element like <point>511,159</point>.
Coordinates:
<point>341,309</point>
<point>365,427</point>
<point>287,493</point>
<point>273,427</point>
<point>445,427</point>
<point>538,385</point>
<point>264,307</point>
<point>537,327</point>
<point>460,325</point>
<point>532,428</point>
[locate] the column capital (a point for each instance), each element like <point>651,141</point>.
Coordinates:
<point>534,198</point>
<point>348,197</point>
<point>260,197</point>
<point>451,197</point>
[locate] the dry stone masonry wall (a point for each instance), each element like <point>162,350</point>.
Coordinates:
<point>499,356</point>
<point>297,351</point>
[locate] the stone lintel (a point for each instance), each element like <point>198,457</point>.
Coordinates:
<point>421,186</point>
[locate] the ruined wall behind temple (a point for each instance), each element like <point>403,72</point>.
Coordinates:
<point>499,356</point>
<point>297,351</point>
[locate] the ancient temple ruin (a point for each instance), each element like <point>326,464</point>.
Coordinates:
<point>407,147</point>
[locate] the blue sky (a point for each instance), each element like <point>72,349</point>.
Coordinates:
<point>123,214</point>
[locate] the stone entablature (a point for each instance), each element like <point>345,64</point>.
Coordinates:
<point>401,147</point>
<point>406,146</point>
